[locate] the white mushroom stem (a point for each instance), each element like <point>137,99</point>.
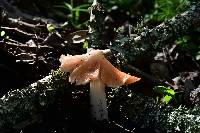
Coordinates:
<point>98,100</point>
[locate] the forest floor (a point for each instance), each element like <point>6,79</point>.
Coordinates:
<point>29,51</point>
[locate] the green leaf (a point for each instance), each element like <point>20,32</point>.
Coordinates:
<point>82,10</point>
<point>167,92</point>
<point>84,6</point>
<point>166,99</point>
<point>50,28</point>
<point>85,45</point>
<point>77,14</point>
<point>7,37</point>
<point>3,33</point>
<point>198,56</point>
<point>69,6</point>
<point>164,90</point>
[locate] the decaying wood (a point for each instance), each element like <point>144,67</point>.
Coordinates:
<point>21,107</point>
<point>180,25</point>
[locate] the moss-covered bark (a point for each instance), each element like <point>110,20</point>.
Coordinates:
<point>171,29</point>
<point>96,25</point>
<point>21,107</point>
<point>160,35</point>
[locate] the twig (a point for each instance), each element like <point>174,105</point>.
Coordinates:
<point>19,32</point>
<point>28,26</point>
<point>169,59</point>
<point>148,77</point>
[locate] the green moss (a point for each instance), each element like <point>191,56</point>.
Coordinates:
<point>24,104</point>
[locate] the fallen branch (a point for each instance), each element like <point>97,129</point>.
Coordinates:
<point>166,32</point>
<point>25,106</point>
<point>146,76</point>
<point>171,29</point>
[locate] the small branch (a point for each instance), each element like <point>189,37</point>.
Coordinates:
<point>17,33</point>
<point>148,77</point>
<point>15,44</point>
<point>32,26</point>
<point>18,22</point>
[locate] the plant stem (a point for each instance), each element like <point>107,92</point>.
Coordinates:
<point>72,11</point>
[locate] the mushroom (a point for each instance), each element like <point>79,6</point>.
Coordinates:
<point>93,67</point>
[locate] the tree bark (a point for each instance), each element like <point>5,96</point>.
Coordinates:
<point>159,36</point>
<point>96,25</point>
<point>22,107</point>
<point>171,29</point>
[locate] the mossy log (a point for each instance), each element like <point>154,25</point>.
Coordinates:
<point>22,107</point>
<point>159,36</point>
<point>179,25</point>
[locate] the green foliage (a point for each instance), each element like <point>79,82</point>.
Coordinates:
<point>186,45</point>
<point>3,36</point>
<point>167,92</point>
<point>3,33</point>
<point>74,13</point>
<point>166,9</point>
<point>85,45</point>
<point>50,28</point>
<point>164,90</point>
<point>197,57</point>
<point>166,99</point>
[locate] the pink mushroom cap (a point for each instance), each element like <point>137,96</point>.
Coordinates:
<point>92,66</point>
